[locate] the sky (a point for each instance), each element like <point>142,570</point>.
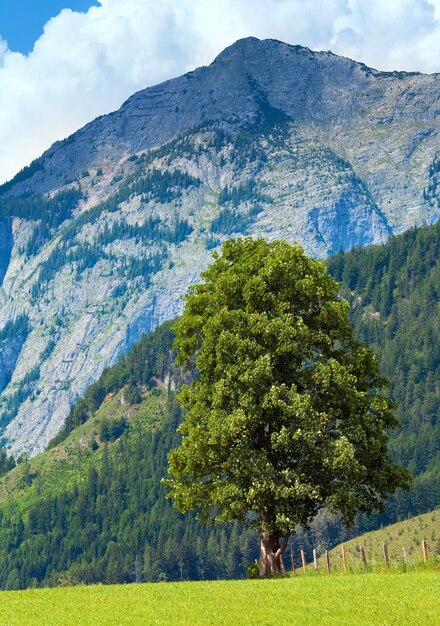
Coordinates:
<point>64,62</point>
<point>22,21</point>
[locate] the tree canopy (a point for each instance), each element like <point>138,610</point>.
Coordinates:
<point>286,414</point>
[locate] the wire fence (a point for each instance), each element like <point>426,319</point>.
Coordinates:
<point>354,560</point>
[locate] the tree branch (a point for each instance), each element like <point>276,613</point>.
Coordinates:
<point>282,549</point>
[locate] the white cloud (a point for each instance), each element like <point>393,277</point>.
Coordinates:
<point>86,64</point>
<point>390,34</point>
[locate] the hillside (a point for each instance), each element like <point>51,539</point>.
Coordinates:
<point>393,291</point>
<point>407,535</point>
<point>394,295</point>
<point>101,235</point>
<point>92,509</point>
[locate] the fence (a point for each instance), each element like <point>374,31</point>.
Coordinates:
<point>343,560</point>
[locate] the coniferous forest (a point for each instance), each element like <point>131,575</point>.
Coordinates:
<point>394,295</point>
<point>110,522</point>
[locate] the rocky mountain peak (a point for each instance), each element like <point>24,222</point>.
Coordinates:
<point>104,232</point>
<point>307,86</point>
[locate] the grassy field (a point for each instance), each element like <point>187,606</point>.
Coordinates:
<point>407,534</point>
<point>364,599</point>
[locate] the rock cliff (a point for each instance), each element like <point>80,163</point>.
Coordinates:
<point>104,232</point>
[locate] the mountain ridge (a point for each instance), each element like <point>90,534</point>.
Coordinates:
<point>247,47</point>
<point>104,233</point>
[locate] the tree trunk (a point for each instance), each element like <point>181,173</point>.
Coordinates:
<point>271,554</point>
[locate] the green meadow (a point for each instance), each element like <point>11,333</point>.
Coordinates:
<point>364,599</point>
<point>406,535</point>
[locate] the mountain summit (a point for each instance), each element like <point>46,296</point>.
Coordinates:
<point>333,95</point>
<point>104,232</point>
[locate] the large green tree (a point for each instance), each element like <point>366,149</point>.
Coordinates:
<point>286,413</point>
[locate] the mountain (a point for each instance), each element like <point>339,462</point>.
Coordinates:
<point>91,508</point>
<point>104,232</point>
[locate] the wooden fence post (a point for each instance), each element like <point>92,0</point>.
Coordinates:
<point>292,560</point>
<point>385,554</point>
<point>424,550</point>
<point>303,559</point>
<point>327,561</point>
<point>344,559</point>
<point>363,557</point>
<point>315,559</point>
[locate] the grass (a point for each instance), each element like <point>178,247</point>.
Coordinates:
<point>366,600</point>
<point>407,534</point>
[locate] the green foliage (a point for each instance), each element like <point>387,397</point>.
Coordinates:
<point>113,525</point>
<point>163,186</point>
<point>85,255</point>
<point>244,192</point>
<point>152,229</point>
<point>6,462</point>
<point>22,175</point>
<point>286,415</point>
<point>230,221</point>
<point>432,192</point>
<point>406,338</point>
<point>253,571</point>
<point>110,430</point>
<point>132,394</point>
<point>394,293</point>
<point>151,185</point>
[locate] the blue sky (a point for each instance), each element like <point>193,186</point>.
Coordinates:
<point>22,21</point>
<point>59,69</point>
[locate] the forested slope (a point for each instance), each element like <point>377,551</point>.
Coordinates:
<point>394,292</point>
<point>91,508</point>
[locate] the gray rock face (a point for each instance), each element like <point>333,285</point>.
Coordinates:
<point>270,140</point>
<point>6,243</point>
